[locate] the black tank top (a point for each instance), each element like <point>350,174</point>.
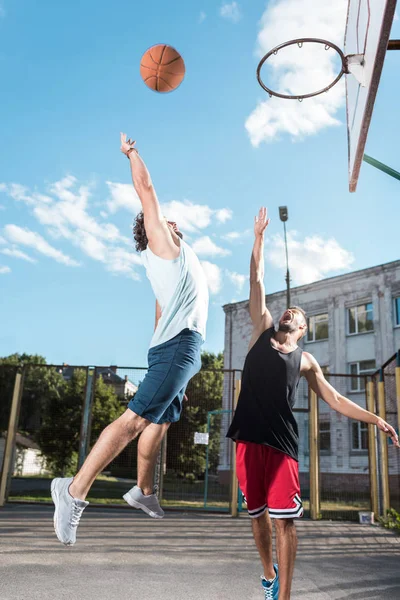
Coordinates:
<point>264,412</point>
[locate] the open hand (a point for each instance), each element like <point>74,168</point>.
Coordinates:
<point>261,222</point>
<point>126,144</point>
<point>388,429</point>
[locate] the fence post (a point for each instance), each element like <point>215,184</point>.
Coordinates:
<point>397,370</point>
<point>315,500</point>
<point>11,434</point>
<point>86,416</point>
<point>373,467</point>
<point>234,481</point>
<point>383,445</point>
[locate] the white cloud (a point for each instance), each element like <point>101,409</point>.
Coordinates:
<point>65,214</point>
<point>191,217</point>
<point>204,246</point>
<point>25,237</point>
<point>309,260</point>
<point>2,240</point>
<point>223,215</point>
<point>3,187</point>
<point>236,236</point>
<point>213,275</point>
<point>18,254</point>
<point>295,70</point>
<point>123,195</point>
<point>237,279</point>
<point>202,17</point>
<point>231,12</point>
<point>4,270</point>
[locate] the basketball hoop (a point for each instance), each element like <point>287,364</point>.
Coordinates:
<point>299,42</point>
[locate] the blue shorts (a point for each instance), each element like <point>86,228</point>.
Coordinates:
<point>171,367</point>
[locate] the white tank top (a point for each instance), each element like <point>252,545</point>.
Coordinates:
<point>181,289</point>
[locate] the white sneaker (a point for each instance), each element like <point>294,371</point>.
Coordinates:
<point>149,504</point>
<point>68,510</point>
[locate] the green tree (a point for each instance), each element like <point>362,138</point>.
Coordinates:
<point>204,394</point>
<point>41,383</point>
<point>59,433</point>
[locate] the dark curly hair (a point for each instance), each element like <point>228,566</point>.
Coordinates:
<point>139,233</point>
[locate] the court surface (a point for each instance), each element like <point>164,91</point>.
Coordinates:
<point>122,554</point>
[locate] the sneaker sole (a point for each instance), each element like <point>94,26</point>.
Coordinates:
<point>54,496</point>
<point>143,507</point>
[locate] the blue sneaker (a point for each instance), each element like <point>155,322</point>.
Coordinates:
<point>271,588</point>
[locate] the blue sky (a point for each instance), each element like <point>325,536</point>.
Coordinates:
<point>71,286</point>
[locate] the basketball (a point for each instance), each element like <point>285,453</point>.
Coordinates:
<point>162,68</point>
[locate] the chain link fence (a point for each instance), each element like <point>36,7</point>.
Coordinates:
<point>63,409</point>
<point>392,397</point>
<point>343,450</point>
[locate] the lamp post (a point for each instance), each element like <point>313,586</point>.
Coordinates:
<point>283,215</point>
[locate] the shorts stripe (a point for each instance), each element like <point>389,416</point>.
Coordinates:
<point>257,512</point>
<point>288,513</point>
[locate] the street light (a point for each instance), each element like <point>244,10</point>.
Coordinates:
<point>283,215</point>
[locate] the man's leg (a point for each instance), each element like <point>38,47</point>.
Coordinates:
<point>111,442</point>
<point>148,448</point>
<point>286,546</point>
<point>262,532</point>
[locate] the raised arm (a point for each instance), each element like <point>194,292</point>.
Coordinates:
<point>341,404</point>
<point>259,314</point>
<point>157,230</point>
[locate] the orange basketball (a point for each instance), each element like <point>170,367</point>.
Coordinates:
<point>162,68</point>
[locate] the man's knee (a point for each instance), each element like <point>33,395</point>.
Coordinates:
<point>132,423</point>
<point>283,525</point>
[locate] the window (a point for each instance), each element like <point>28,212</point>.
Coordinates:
<point>364,367</point>
<point>361,318</point>
<point>317,328</point>
<point>325,436</point>
<point>397,312</point>
<point>359,436</point>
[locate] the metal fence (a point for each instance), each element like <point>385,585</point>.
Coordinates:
<point>60,411</point>
<point>51,416</point>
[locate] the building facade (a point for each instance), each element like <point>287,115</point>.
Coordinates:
<point>353,328</point>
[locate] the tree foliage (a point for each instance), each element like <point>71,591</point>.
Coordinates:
<point>51,408</point>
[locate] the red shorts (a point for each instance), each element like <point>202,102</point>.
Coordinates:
<point>269,479</point>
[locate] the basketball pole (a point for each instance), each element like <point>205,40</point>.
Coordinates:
<point>381,166</point>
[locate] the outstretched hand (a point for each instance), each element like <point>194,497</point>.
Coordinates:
<point>388,429</point>
<point>261,222</point>
<point>126,144</point>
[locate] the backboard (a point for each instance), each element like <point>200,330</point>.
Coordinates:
<point>367,34</point>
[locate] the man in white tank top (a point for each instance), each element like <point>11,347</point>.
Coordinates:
<point>181,292</point>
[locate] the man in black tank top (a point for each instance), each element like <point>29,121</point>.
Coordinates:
<point>264,427</point>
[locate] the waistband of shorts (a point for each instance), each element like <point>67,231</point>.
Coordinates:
<point>184,333</point>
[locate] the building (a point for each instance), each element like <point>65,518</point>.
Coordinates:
<point>353,328</point>
<point>123,387</point>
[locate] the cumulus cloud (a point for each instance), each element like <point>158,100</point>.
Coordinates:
<point>298,71</point>
<point>15,253</point>
<point>310,259</point>
<point>26,237</point>
<point>231,12</point>
<point>236,236</point>
<point>204,246</point>
<point>123,195</point>
<point>4,270</point>
<point>213,275</point>
<point>64,212</point>
<point>238,279</point>
<point>190,216</point>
